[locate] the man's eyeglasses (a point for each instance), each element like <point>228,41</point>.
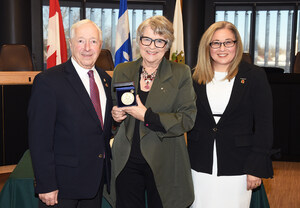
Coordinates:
<point>227,44</point>
<point>159,43</point>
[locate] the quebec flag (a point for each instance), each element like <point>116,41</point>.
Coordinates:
<point>123,51</point>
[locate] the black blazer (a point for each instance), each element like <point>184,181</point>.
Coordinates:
<point>244,133</point>
<point>66,141</point>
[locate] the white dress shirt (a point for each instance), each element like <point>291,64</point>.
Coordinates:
<point>83,74</point>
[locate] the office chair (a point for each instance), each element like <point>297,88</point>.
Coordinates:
<point>247,58</point>
<point>297,63</point>
<point>105,60</point>
<point>15,57</point>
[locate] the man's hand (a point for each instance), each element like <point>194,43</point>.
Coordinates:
<point>50,198</point>
<point>118,114</point>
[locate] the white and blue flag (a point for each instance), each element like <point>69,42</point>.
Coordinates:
<point>123,45</point>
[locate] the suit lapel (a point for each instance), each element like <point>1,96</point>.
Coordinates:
<point>108,105</point>
<point>163,74</point>
<point>75,81</point>
<point>200,91</point>
<point>239,86</point>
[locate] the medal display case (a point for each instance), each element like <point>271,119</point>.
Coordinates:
<point>125,93</point>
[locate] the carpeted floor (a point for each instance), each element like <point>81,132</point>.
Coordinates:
<point>283,190</point>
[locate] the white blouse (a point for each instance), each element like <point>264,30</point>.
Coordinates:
<point>218,93</point>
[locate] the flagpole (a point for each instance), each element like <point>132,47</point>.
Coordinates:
<point>83,12</point>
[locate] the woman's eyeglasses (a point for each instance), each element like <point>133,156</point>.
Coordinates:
<point>227,44</point>
<point>159,43</point>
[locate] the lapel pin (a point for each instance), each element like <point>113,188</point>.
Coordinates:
<point>106,85</point>
<point>104,80</point>
<point>163,90</point>
<point>243,80</point>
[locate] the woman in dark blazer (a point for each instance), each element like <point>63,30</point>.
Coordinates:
<point>149,151</point>
<point>229,146</point>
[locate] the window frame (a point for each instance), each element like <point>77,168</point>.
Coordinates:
<point>256,6</point>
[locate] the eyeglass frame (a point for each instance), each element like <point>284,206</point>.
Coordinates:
<point>153,40</point>
<point>223,43</point>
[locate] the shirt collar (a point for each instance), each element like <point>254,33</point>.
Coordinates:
<point>80,70</point>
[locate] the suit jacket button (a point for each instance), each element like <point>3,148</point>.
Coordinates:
<point>215,129</point>
<point>100,156</point>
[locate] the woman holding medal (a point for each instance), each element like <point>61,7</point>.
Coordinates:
<point>149,150</point>
<point>230,144</point>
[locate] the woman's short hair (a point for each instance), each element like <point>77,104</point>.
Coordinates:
<point>203,71</point>
<point>82,22</point>
<point>160,25</point>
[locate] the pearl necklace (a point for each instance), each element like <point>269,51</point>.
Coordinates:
<point>148,78</point>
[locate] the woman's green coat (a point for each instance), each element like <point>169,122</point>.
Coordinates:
<point>172,96</point>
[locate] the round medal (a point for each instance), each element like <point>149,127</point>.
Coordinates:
<point>127,98</point>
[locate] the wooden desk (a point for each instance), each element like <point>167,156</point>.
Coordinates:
<point>17,77</point>
<point>110,73</point>
<point>7,168</point>
<point>14,96</point>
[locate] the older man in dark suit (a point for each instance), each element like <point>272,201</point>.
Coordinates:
<point>70,125</point>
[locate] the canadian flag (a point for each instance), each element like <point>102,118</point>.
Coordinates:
<point>56,46</point>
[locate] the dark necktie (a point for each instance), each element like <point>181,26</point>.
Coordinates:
<point>94,93</point>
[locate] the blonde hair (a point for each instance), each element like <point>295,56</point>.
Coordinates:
<point>204,72</point>
<point>160,25</point>
<point>82,22</point>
